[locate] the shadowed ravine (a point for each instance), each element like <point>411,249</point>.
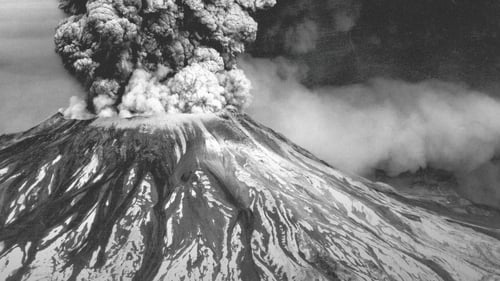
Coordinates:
<point>215,197</point>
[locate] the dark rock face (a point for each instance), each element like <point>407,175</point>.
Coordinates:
<point>214,197</point>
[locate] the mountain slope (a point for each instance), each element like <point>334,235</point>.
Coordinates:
<point>215,197</point>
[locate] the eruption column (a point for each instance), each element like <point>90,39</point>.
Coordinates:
<point>142,57</point>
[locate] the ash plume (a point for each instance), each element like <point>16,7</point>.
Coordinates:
<point>297,27</point>
<point>144,57</point>
<point>392,85</point>
<point>350,41</point>
<point>384,124</point>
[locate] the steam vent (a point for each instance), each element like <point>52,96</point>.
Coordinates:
<point>216,197</point>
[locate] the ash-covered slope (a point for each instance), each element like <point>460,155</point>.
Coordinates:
<point>215,197</point>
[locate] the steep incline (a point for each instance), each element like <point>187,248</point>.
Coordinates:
<point>215,197</point>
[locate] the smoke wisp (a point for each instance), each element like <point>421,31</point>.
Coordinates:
<point>383,124</point>
<point>144,57</point>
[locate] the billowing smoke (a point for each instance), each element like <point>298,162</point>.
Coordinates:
<point>383,124</point>
<point>144,57</point>
<point>298,27</point>
<point>317,34</point>
<point>362,84</point>
<point>350,41</point>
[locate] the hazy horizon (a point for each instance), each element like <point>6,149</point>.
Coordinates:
<point>33,81</point>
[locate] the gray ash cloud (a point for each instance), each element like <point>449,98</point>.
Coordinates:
<point>142,57</point>
<point>391,85</point>
<point>345,41</point>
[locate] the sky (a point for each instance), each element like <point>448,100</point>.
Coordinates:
<point>33,81</point>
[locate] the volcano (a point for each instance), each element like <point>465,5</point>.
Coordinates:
<point>217,197</point>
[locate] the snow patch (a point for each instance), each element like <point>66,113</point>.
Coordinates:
<point>150,123</point>
<point>86,172</point>
<point>4,171</point>
<point>56,159</point>
<point>11,262</point>
<point>53,233</point>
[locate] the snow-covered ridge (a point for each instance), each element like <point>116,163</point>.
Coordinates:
<point>215,197</point>
<point>166,121</point>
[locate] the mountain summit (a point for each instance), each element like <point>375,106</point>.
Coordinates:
<point>215,197</point>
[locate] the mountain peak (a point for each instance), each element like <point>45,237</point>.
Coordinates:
<point>213,197</point>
